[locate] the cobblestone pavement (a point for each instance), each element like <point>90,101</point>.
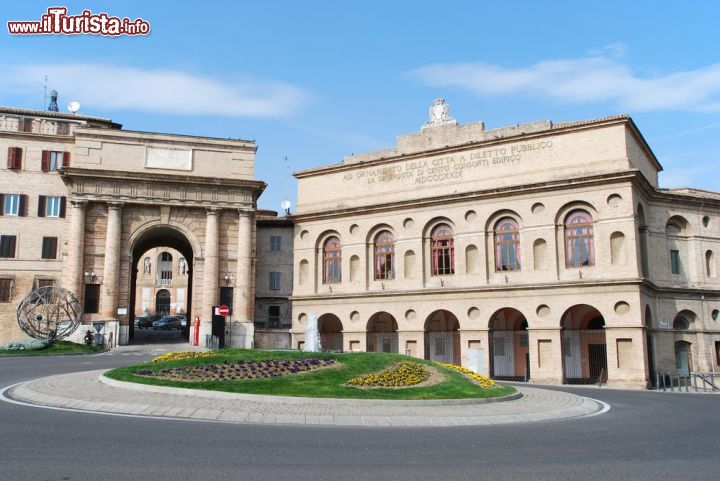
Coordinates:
<point>84,391</point>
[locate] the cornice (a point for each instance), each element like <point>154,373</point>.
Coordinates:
<point>468,290</point>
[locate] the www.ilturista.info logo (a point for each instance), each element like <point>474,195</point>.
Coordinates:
<point>57,22</point>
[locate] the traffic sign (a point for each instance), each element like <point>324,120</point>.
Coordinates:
<point>223,311</point>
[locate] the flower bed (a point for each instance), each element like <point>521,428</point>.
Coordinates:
<point>484,381</point>
<point>401,374</point>
<point>239,370</point>
<point>179,355</point>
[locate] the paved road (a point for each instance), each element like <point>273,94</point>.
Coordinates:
<point>645,436</point>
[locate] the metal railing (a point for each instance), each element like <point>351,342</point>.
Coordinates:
<point>212,342</point>
<point>697,381</point>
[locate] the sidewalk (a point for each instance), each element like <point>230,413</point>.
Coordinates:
<point>84,391</point>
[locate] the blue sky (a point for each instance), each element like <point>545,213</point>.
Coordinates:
<point>316,81</point>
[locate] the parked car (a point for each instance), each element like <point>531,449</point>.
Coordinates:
<point>144,322</point>
<point>167,322</point>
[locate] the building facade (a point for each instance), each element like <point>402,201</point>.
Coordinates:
<point>162,282</point>
<point>83,201</point>
<point>544,251</point>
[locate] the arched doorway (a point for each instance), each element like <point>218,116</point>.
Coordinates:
<point>330,328</point>
<point>162,302</point>
<point>162,275</point>
<point>510,359</point>
<point>442,337</point>
<point>584,346</point>
<point>684,334</point>
<point>382,333</point>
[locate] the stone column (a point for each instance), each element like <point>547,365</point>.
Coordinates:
<point>243,329</point>
<point>210,271</point>
<point>111,267</point>
<point>74,279</point>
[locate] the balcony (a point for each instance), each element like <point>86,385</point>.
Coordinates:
<point>36,126</point>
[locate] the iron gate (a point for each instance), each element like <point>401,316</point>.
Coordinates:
<point>510,359</point>
<point>584,356</point>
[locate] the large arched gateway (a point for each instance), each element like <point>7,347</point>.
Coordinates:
<point>133,191</point>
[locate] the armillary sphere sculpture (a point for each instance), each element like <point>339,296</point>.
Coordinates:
<point>50,313</point>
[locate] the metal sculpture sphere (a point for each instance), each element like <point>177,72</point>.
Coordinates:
<point>50,313</point>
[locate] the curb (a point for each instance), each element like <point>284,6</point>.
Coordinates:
<point>200,393</point>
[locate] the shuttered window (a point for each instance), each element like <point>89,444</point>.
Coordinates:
<point>5,289</point>
<point>7,246</point>
<point>52,160</point>
<point>49,247</point>
<point>14,159</point>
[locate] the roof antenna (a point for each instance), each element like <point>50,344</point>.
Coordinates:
<point>53,107</point>
<point>44,86</point>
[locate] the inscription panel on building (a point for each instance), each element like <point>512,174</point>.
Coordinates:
<point>168,159</point>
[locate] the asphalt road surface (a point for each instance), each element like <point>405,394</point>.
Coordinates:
<point>645,435</point>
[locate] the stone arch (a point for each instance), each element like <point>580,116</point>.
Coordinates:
<point>509,354</point>
<point>169,235</point>
<point>162,302</point>
<point>584,348</point>
<point>442,337</point>
<point>568,207</point>
<point>382,333</point>
<point>677,225</point>
<point>331,332</point>
<point>684,320</point>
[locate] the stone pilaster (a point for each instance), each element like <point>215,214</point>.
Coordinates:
<point>243,302</point>
<point>111,267</point>
<point>210,271</point>
<point>74,273</point>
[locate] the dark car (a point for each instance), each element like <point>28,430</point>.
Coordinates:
<point>168,322</point>
<point>144,322</point>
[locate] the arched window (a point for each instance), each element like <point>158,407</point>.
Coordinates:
<point>579,243</point>
<point>332,260</point>
<point>165,268</point>
<point>443,252</point>
<point>384,256</point>
<point>507,245</point>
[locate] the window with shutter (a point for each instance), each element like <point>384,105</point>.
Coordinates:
<point>11,204</point>
<point>7,246</point>
<point>5,289</point>
<point>42,201</point>
<point>23,205</point>
<point>49,248</point>
<point>45,161</point>
<point>14,159</point>
<point>52,206</point>
<point>66,159</point>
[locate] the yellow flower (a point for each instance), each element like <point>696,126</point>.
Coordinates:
<point>484,381</point>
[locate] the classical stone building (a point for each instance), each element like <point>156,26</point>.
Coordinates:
<point>161,282</point>
<point>545,251</point>
<point>83,201</point>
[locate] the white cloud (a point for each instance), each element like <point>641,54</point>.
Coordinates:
<point>617,49</point>
<point>584,80</point>
<point>158,90</point>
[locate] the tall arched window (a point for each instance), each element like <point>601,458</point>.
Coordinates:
<point>384,256</point>
<point>507,245</point>
<point>579,243</point>
<point>443,251</point>
<point>332,260</point>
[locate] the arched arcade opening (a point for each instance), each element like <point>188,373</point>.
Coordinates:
<point>382,333</point>
<point>510,359</point>
<point>442,337</point>
<point>583,345</point>
<point>160,284</point>
<point>331,336</point>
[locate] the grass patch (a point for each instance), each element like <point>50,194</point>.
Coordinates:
<point>56,348</point>
<point>325,382</point>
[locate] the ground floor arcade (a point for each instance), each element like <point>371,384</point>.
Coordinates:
<point>565,335</point>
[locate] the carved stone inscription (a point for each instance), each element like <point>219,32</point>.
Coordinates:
<point>442,168</point>
<point>171,159</point>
